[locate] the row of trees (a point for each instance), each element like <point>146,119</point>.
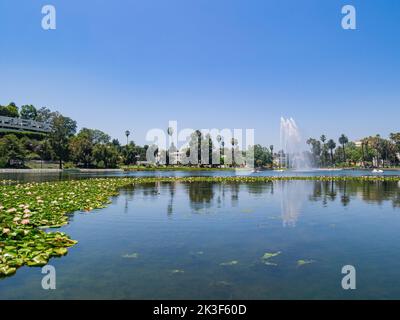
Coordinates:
<point>87,148</point>
<point>369,151</point>
<point>94,148</point>
<point>28,112</point>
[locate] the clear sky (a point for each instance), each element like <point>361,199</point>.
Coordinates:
<point>130,64</point>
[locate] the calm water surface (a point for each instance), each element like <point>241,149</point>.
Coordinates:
<point>205,241</point>
<point>24,177</point>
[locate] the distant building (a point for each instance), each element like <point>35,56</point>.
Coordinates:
<point>358,143</point>
<point>18,124</point>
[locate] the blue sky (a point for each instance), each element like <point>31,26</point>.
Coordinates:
<point>116,65</point>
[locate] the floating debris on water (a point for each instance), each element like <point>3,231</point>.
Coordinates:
<point>229,263</point>
<point>131,256</point>
<point>177,271</point>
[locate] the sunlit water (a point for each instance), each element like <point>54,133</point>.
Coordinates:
<point>23,177</point>
<point>168,241</point>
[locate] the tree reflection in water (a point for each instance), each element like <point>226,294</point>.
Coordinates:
<point>293,194</point>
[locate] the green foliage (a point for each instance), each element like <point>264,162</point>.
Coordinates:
<point>262,155</point>
<point>63,128</point>
<point>28,112</point>
<point>9,111</point>
<point>12,151</point>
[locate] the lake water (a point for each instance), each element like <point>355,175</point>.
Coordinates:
<point>205,241</point>
<point>23,177</point>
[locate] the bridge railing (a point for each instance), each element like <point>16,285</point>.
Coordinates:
<point>23,124</point>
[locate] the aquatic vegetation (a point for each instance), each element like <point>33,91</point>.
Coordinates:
<point>229,263</point>
<point>267,256</point>
<point>27,209</point>
<point>304,262</point>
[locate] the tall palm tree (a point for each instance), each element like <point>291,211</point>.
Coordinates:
<point>323,139</point>
<point>271,147</point>
<point>343,140</point>
<point>331,146</point>
<point>234,142</point>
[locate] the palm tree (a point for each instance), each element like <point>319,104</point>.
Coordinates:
<point>331,146</point>
<point>323,139</point>
<point>343,140</point>
<point>234,142</point>
<point>271,147</point>
<point>170,131</point>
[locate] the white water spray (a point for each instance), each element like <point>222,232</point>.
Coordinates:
<point>292,145</point>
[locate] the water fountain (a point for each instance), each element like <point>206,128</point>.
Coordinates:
<point>293,155</point>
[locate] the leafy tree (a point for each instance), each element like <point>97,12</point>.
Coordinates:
<point>45,115</point>
<point>28,112</point>
<point>130,153</point>
<point>44,150</point>
<point>9,111</point>
<point>63,128</point>
<point>105,155</point>
<point>11,149</point>
<point>262,155</point>
<point>81,148</point>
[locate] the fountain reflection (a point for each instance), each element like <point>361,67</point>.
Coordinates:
<point>293,195</point>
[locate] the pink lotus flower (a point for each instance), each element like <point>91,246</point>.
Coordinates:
<point>25,221</point>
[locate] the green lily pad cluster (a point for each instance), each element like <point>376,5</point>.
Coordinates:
<point>27,209</point>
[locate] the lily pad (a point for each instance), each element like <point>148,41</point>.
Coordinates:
<point>269,255</point>
<point>304,262</point>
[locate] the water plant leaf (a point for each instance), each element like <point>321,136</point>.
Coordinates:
<point>304,262</point>
<point>269,255</point>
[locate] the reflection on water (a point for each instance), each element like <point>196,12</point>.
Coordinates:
<point>293,195</point>
<point>23,177</point>
<point>205,241</point>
